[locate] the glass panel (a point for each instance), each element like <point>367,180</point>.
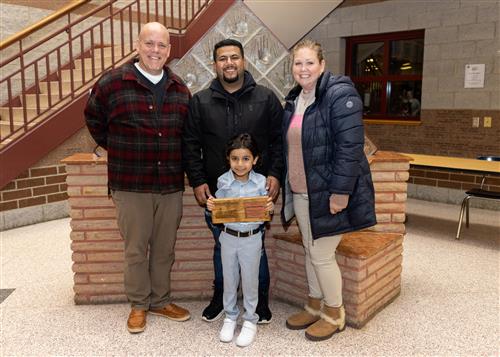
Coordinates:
<point>370,93</point>
<point>404,98</point>
<point>406,56</point>
<point>368,59</point>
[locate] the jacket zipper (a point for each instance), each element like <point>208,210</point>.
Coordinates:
<point>305,173</point>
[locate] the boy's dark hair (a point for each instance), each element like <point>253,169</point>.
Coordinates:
<point>242,141</point>
<point>228,42</point>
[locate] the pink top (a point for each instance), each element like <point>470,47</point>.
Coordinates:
<point>296,172</point>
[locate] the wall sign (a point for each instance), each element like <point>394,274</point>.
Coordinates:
<point>474,76</point>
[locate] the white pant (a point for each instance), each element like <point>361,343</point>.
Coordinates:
<point>241,254</point>
<point>323,273</point>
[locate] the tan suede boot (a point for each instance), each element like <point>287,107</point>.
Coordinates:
<point>307,317</point>
<point>332,321</point>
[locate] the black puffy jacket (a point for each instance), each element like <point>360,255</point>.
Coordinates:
<point>334,161</point>
<point>215,116</point>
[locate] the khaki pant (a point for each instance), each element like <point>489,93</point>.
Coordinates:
<point>323,273</point>
<point>148,220</point>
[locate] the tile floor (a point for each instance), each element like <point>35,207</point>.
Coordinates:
<point>449,303</point>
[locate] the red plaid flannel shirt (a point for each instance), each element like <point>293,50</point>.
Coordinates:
<point>144,148</point>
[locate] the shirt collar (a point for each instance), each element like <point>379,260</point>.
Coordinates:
<point>251,177</point>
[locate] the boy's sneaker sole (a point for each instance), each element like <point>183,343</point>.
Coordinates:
<point>215,318</point>
<point>264,321</point>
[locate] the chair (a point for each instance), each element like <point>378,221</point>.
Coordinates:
<point>476,193</point>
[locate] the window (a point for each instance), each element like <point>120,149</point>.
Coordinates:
<point>387,72</point>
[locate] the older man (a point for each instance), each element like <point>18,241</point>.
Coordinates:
<point>137,112</point>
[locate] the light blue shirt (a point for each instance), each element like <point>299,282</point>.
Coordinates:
<point>228,186</point>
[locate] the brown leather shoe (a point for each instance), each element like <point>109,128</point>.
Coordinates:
<point>172,312</point>
<point>136,320</point>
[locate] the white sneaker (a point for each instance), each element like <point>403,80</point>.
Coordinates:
<point>247,334</point>
<point>227,331</point>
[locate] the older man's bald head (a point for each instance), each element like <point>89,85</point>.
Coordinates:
<point>153,47</point>
<point>155,27</point>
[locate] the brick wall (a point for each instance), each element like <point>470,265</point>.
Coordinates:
<point>441,132</point>
<point>450,178</point>
<point>36,186</point>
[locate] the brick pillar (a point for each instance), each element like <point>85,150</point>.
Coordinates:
<point>390,173</point>
<point>96,242</point>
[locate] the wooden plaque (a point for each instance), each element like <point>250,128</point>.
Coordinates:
<point>243,209</point>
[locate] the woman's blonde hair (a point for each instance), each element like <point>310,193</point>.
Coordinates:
<point>308,43</point>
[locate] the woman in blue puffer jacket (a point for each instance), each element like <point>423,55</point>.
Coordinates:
<point>328,185</point>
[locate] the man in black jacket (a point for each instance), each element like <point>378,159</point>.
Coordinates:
<point>233,104</point>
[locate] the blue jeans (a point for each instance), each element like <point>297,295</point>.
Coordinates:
<point>219,278</point>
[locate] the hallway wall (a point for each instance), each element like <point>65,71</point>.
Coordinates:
<point>456,33</point>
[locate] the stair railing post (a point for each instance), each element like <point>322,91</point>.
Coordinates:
<point>70,41</point>
<point>23,86</point>
<point>111,27</point>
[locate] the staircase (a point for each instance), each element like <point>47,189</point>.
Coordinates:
<point>53,93</point>
<point>43,98</point>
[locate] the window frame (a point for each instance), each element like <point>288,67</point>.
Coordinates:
<point>383,117</point>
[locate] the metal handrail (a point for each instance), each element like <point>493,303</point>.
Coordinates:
<point>43,22</point>
<point>87,57</point>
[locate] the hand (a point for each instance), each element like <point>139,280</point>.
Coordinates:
<point>210,203</point>
<point>338,203</point>
<point>270,205</point>
<point>272,187</point>
<point>201,193</point>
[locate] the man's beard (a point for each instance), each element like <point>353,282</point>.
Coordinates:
<point>231,80</point>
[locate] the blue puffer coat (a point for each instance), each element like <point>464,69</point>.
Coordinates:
<point>334,161</point>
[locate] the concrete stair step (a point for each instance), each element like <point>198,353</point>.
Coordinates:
<point>43,98</point>
<point>77,75</point>
<point>17,114</point>
<point>5,127</point>
<point>6,130</point>
<point>54,87</point>
<point>88,64</point>
<point>106,52</point>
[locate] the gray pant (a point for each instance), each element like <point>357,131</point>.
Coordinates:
<point>241,253</point>
<point>148,220</point>
<point>323,273</point>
